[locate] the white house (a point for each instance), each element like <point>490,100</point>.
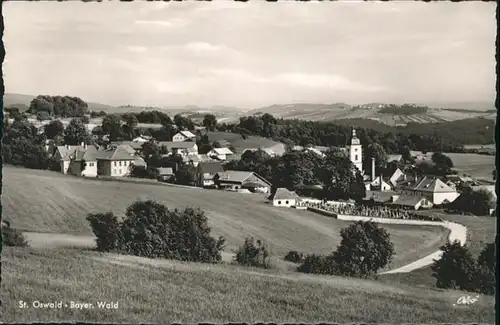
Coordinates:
<point>183,136</point>
<point>434,190</point>
<point>219,153</point>
<point>141,139</point>
<point>180,148</point>
<point>380,184</point>
<point>284,198</point>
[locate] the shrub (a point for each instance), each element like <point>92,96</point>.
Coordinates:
<point>318,264</point>
<point>152,230</point>
<point>13,237</point>
<point>456,269</point>
<point>106,228</point>
<point>294,256</point>
<point>484,280</point>
<point>365,248</point>
<point>487,257</point>
<point>253,253</point>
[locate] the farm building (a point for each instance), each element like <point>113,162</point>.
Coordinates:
<point>219,153</point>
<point>136,146</point>
<point>62,155</point>
<point>142,139</point>
<point>205,172</point>
<point>83,161</point>
<point>396,158</point>
<point>232,179</point>
<point>380,184</point>
<point>182,136</point>
<point>165,174</point>
<point>196,159</point>
<point>282,197</point>
<point>435,190</point>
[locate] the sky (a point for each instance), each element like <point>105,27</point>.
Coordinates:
<point>251,54</point>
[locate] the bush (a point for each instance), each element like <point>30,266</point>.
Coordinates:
<point>253,253</point>
<point>13,237</point>
<point>318,264</point>
<point>365,248</point>
<point>152,230</point>
<point>456,269</point>
<point>294,256</point>
<point>106,228</point>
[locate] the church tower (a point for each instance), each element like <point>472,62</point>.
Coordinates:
<point>356,152</point>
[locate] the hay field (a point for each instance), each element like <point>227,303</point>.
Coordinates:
<point>152,291</point>
<point>43,201</point>
<point>478,166</point>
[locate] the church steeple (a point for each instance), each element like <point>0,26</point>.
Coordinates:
<point>355,152</point>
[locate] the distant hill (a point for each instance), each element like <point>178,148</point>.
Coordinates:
<point>371,111</point>
<point>476,106</point>
<point>12,99</point>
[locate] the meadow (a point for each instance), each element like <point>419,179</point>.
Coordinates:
<point>475,165</point>
<point>480,231</point>
<point>151,291</point>
<point>43,201</point>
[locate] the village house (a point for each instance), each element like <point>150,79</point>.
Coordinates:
<point>235,180</point>
<point>205,173</point>
<point>83,161</point>
<point>411,202</point>
<point>219,153</point>
<point>194,160</point>
<point>135,146</point>
<point>62,155</point>
<point>180,148</point>
<point>115,162</point>
<point>433,189</point>
<point>395,158</point>
<point>182,136</point>
<point>142,139</point>
<point>282,197</point>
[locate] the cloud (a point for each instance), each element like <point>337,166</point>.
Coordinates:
<point>170,23</point>
<point>330,81</point>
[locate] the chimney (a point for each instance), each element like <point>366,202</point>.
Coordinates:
<point>67,146</point>
<point>373,168</point>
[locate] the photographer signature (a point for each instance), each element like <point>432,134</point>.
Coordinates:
<point>466,300</point>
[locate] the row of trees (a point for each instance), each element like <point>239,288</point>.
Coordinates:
<point>445,137</point>
<point>405,109</point>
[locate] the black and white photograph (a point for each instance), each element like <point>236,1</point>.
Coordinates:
<point>245,162</point>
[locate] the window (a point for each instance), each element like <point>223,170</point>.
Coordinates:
<point>286,202</point>
<point>114,163</point>
<point>119,171</point>
<point>279,202</point>
<point>356,157</point>
<point>356,149</point>
<point>114,170</point>
<point>119,163</point>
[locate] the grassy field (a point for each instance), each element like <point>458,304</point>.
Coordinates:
<point>43,201</point>
<point>165,291</point>
<point>478,166</point>
<point>480,231</point>
<point>239,143</point>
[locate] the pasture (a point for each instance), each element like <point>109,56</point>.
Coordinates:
<point>161,291</point>
<point>480,231</point>
<point>43,201</point>
<point>477,166</point>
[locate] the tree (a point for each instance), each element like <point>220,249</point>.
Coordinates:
<point>210,122</point>
<point>364,249</point>
<point>76,132</point>
<point>152,230</point>
<point>340,178</point>
<point>476,202</point>
<point>442,163</point>
<point>374,150</point>
<point>183,122</point>
<point>185,175</point>
<point>22,146</point>
<point>42,116</point>
<point>487,257</point>
<point>456,269</point>
<point>106,228</point>
<point>111,124</point>
<point>53,129</point>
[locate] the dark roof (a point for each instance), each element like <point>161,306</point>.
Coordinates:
<point>434,185</point>
<point>236,176</point>
<point>210,167</point>
<point>177,145</point>
<point>118,153</point>
<point>283,194</point>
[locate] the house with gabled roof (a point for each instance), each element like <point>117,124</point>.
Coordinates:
<point>434,189</point>
<point>83,161</point>
<point>182,136</point>
<point>411,202</point>
<point>235,179</point>
<point>205,173</point>
<point>62,154</point>
<point>115,161</point>
<point>282,197</point>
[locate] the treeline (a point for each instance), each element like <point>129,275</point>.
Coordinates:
<point>443,137</point>
<point>405,109</point>
<point>45,106</point>
<point>300,170</point>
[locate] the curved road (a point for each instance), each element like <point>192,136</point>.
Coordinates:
<point>50,240</point>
